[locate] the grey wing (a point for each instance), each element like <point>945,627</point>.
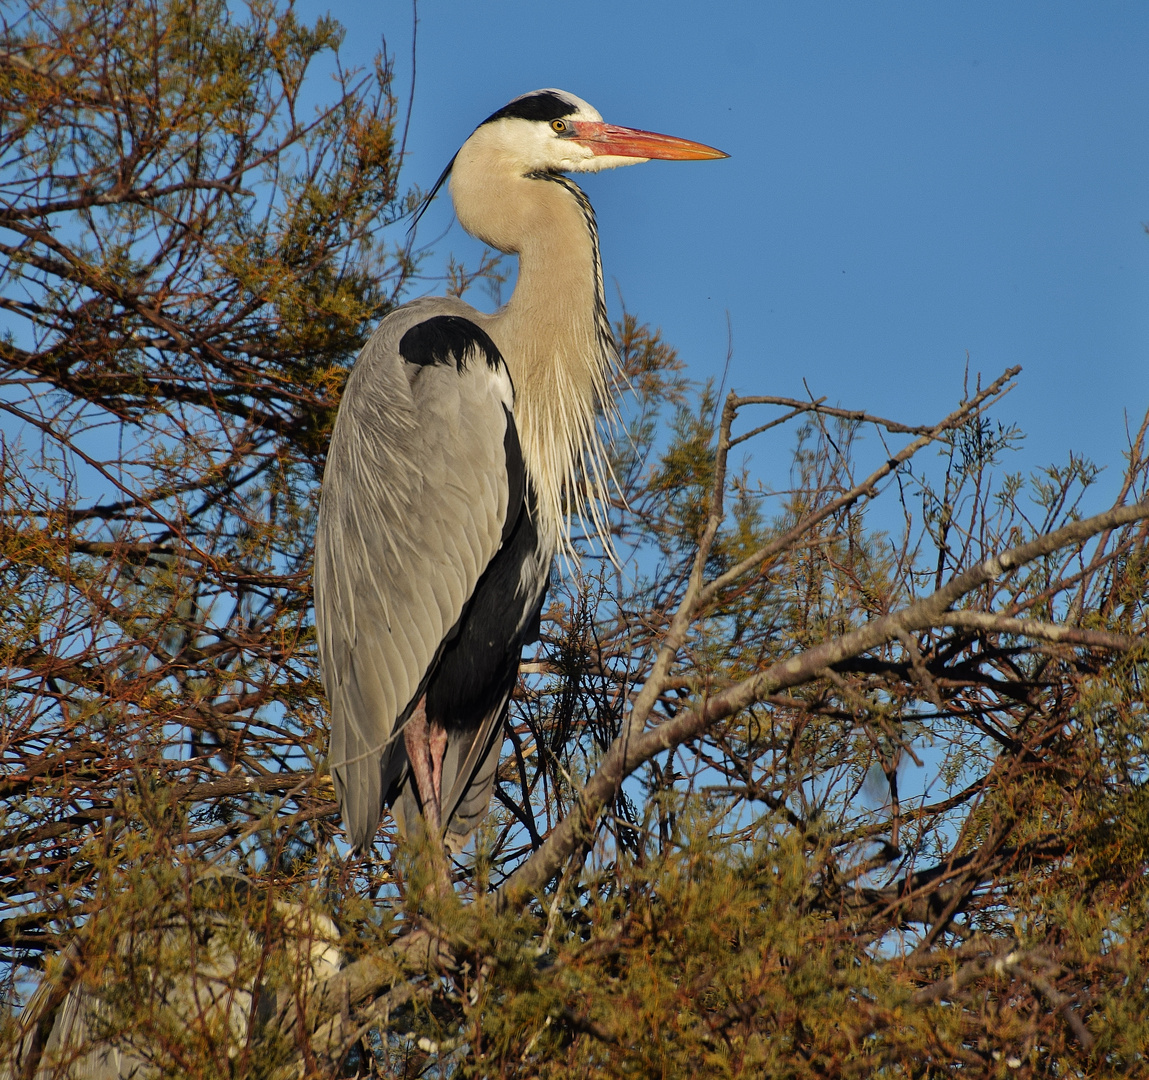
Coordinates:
<point>414,500</point>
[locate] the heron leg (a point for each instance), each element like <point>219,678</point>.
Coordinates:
<point>426,742</point>
<point>437,747</point>
<point>417,739</point>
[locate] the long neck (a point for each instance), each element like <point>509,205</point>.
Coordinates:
<point>556,339</point>
<point>560,353</point>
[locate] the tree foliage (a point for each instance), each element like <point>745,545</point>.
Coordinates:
<point>843,777</point>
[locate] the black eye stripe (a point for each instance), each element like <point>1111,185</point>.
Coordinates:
<point>541,106</point>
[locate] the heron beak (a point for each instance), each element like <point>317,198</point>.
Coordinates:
<point>606,140</point>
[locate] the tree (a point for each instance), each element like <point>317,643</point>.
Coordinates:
<point>712,849</point>
<point>191,257</point>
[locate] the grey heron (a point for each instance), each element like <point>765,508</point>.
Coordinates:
<point>454,463</point>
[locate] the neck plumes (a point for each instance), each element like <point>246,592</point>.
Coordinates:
<point>555,337</point>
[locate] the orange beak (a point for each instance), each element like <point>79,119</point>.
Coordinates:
<point>606,139</point>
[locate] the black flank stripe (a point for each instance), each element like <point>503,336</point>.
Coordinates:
<point>448,339</point>
<point>516,475</point>
<point>480,657</point>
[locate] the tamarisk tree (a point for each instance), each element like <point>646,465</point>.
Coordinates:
<point>838,776</point>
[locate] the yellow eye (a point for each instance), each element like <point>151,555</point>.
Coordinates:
<point>559,125</point>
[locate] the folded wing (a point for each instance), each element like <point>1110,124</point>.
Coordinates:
<point>423,484</point>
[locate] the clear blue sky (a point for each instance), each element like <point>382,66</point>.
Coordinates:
<point>908,182</point>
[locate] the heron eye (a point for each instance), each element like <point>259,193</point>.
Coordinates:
<point>559,125</point>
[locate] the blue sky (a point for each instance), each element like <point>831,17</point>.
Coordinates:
<point>908,183</point>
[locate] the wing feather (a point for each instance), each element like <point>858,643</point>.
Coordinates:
<point>414,502</point>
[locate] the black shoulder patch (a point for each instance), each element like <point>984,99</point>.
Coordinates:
<point>541,106</point>
<point>448,339</point>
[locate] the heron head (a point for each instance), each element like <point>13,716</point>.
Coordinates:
<point>555,131</point>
